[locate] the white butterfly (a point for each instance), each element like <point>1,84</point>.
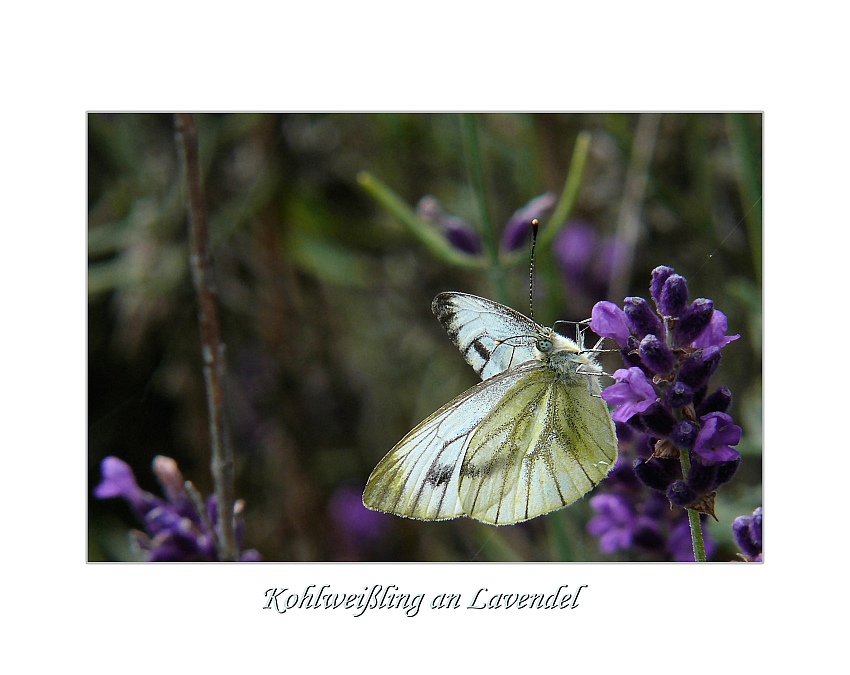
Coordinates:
<point>533,437</point>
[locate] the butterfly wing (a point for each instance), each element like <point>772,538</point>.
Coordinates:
<point>491,337</point>
<point>543,445</point>
<point>419,477</point>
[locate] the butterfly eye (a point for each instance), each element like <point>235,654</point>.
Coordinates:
<point>544,345</point>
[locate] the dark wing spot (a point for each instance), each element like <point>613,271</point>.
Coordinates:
<point>438,474</point>
<point>481,349</point>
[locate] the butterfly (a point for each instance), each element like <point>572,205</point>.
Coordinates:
<point>532,437</point>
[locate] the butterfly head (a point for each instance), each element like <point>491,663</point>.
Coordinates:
<point>560,353</point>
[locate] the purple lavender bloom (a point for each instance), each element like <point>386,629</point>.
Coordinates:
<point>747,532</point>
<point>587,261</point>
<point>671,355</point>
<point>631,394</point>
<point>608,320</point>
<point>119,481</point>
<point>456,230</point>
<point>616,524</point>
<point>517,230</point>
<point>715,334</point>
<point>659,277</point>
<point>642,320</point>
<point>693,321</point>
<point>718,432</point>
<point>174,529</point>
<point>674,296</point>
<point>575,249</point>
<point>656,355</point>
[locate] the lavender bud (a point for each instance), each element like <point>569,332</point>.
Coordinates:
<point>641,317</point>
<point>693,321</point>
<point>697,370</point>
<point>659,276</point>
<point>656,355</point>
<point>674,296</point>
<point>702,477</point>
<point>684,434</point>
<point>726,470</point>
<point>659,420</point>
<point>679,395</point>
<point>656,473</point>
<point>680,494</point>
<point>719,401</point>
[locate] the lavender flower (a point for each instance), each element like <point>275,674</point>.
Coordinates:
<point>638,519</point>
<point>632,394</point>
<point>587,261</point>
<point>517,230</point>
<point>175,530</point>
<point>671,354</point>
<point>455,229</point>
<point>747,532</point>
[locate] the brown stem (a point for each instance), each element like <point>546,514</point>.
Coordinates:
<point>212,348</point>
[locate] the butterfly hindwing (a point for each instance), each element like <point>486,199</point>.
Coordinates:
<point>419,477</point>
<point>491,337</point>
<point>542,447</point>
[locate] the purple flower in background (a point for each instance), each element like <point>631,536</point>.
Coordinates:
<point>119,481</point>
<point>618,525</point>
<point>680,544</point>
<point>614,523</point>
<point>747,532</point>
<point>517,230</point>
<point>357,528</point>
<point>463,236</point>
<point>587,260</point>
<point>456,230</point>
<point>174,528</point>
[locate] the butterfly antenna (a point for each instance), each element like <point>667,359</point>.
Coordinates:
<point>534,226</point>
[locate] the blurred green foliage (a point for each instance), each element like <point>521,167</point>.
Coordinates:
<point>332,351</point>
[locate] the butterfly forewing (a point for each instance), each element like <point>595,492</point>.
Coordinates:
<point>543,446</point>
<point>419,477</point>
<point>491,337</point>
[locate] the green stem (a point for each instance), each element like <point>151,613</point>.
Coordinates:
<point>564,207</point>
<point>423,231</point>
<point>693,516</point>
<point>475,167</point>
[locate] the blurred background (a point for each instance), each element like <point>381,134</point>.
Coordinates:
<point>325,287</point>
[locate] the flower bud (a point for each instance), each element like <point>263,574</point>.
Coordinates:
<point>719,401</point>
<point>659,276</point>
<point>698,368</point>
<point>684,434</point>
<point>659,420</point>
<point>693,321</point>
<point>674,296</point>
<point>680,494</point>
<point>641,317</point>
<point>679,395</point>
<point>656,355</point>
<point>656,473</point>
